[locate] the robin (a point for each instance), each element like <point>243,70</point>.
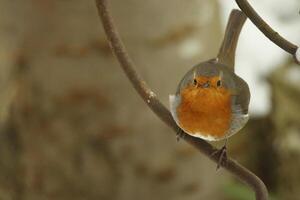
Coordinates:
<point>211,101</point>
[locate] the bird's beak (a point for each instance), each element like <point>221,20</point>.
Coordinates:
<point>205,85</point>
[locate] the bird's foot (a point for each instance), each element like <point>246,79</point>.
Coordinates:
<point>221,154</point>
<point>180,134</point>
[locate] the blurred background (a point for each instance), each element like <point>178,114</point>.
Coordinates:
<point>72,127</point>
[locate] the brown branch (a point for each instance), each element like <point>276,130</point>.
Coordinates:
<point>162,112</point>
<point>267,30</point>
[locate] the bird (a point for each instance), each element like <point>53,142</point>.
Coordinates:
<point>211,101</point>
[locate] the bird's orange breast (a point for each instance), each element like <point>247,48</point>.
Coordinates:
<point>205,110</point>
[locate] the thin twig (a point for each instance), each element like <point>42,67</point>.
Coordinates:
<point>266,29</point>
<point>161,111</point>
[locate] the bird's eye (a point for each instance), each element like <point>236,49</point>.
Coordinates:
<point>219,83</point>
<point>195,81</point>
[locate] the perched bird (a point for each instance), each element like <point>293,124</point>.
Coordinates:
<point>211,101</point>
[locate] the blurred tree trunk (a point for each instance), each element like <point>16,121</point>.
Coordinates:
<point>286,117</point>
<point>270,145</point>
<point>76,129</point>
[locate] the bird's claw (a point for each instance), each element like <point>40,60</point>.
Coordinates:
<point>179,134</point>
<point>221,155</point>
